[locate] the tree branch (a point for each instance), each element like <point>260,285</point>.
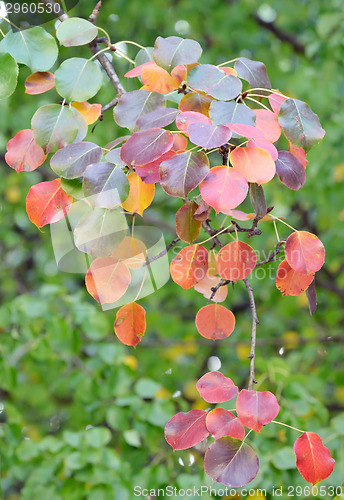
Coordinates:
<point>273,254</point>
<point>162,253</point>
<point>93,46</point>
<point>281,35</point>
<point>251,356</point>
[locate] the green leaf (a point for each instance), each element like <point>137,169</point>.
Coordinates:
<point>75,461</point>
<point>97,437</point>
<point>132,437</point>
<point>76,31</point>
<point>33,47</point>
<point>78,79</point>
<point>54,127</point>
<point>300,125</point>
<point>106,184</point>
<point>258,200</point>
<point>8,75</point>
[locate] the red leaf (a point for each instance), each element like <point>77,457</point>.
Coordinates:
<point>224,189</point>
<point>187,118</point>
<point>187,227</point>
<point>255,409</point>
<point>46,203</point>
<point>149,172</point>
<point>39,82</point>
<point>107,279</point>
<point>236,260</point>
<point>215,322</point>
<point>231,462</point>
<point>183,173</point>
<point>304,252</point>
<point>179,143</point>
<point>313,459</point>
<point>203,211</point>
<point>185,430</point>
<point>146,146</point>
<point>222,423</point>
<point>208,136</point>
<point>267,122</point>
<point>214,387</point>
<point>189,266</point>
<point>290,282</point>
<point>136,72</point>
<point>255,164</point>
<point>23,154</point>
<point>130,324</point>
<point>299,153</point>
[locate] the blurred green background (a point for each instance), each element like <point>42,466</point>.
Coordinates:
<point>82,416</point>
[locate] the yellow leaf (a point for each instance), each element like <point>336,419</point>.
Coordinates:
<point>243,350</point>
<point>140,195</point>
<point>91,112</point>
<point>131,361</point>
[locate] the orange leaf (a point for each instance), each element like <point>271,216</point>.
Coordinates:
<point>131,250</point>
<point>299,153</point>
<point>23,153</point>
<point>255,164</point>
<point>290,282</point>
<point>215,322</point>
<point>267,122</point>
<point>130,324</point>
<point>140,195</point>
<point>189,266</point>
<point>39,82</point>
<point>229,71</point>
<point>91,112</point>
<point>107,279</point>
<point>205,288</point>
<point>236,261</point>
<point>304,252</point>
<point>47,202</point>
<point>157,79</point>
<point>197,101</point>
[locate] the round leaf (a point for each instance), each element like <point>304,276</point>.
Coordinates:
<point>54,127</point>
<point>33,47</point>
<point>107,279</point>
<point>78,79</point>
<point>134,105</point>
<point>23,154</point>
<point>254,72</point>
<point>215,322</point>
<point>76,31</point>
<point>8,75</point>
<point>214,387</point>
<point>149,173</point>
<point>290,282</point>
<point>313,459</point>
<point>255,409</point>
<point>46,203</point>
<point>222,423</point>
<point>207,284</point>
<point>72,160</point>
<point>185,430</point>
<point>171,51</point>
<point>231,462</point>
<point>189,266</point>
<point>290,170</point>
<point>267,122</point>
<point>255,164</point>
<point>236,261</point>
<point>224,189</point>
<point>208,136</point>
<point>222,113</point>
<point>140,194</point>
<point>214,82</point>
<point>304,252</point>
<point>182,173</point>
<point>146,146</point>
<point>106,184</point>
<point>130,324</point>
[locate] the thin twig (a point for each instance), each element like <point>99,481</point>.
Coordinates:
<point>110,105</point>
<point>251,356</point>
<point>273,255</point>
<point>162,253</point>
<point>214,289</point>
<point>95,49</point>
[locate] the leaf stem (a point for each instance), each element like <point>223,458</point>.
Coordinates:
<point>99,52</point>
<point>132,43</point>
<point>257,102</point>
<point>280,220</point>
<point>227,62</point>
<point>271,91</point>
<point>286,425</point>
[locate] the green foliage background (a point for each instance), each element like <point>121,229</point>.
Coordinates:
<point>61,368</point>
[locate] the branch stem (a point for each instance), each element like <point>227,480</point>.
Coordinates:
<point>255,321</point>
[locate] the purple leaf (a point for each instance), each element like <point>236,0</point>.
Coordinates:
<point>146,146</point>
<point>211,80</point>
<point>208,136</point>
<point>171,51</point>
<point>133,105</point>
<point>183,173</point>
<point>290,170</point>
<point>254,72</point>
